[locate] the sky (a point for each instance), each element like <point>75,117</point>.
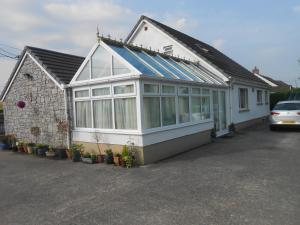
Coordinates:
<point>258,33</point>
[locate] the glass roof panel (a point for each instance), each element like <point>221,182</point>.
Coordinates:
<point>195,71</point>
<point>149,59</point>
<point>133,60</point>
<point>164,63</point>
<point>185,71</point>
<point>209,74</point>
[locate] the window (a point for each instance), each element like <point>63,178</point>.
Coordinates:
<point>83,114</point>
<point>243,98</point>
<point>183,109</point>
<point>118,67</point>
<point>102,110</point>
<point>168,111</point>
<point>123,89</point>
<point>266,97</point>
<point>125,113</point>
<point>101,63</point>
<point>166,89</point>
<point>196,108</point>
<point>196,91</point>
<point>205,107</point>
<point>101,91</point>
<point>85,73</point>
<point>259,97</point>
<point>82,94</point>
<point>151,88</point>
<point>183,90</point>
<point>152,112</point>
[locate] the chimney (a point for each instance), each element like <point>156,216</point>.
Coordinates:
<point>255,70</point>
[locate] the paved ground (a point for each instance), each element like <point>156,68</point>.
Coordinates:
<point>252,178</point>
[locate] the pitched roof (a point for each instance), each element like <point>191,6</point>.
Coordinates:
<point>281,86</point>
<point>60,66</point>
<point>205,51</point>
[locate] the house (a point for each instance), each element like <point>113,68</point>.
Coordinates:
<point>161,91</point>
<point>275,85</point>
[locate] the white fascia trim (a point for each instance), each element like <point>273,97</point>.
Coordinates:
<point>249,84</point>
<point>265,80</point>
<point>17,71</point>
<point>220,73</point>
<point>45,71</point>
<point>84,63</point>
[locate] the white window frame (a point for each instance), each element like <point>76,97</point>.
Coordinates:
<point>261,97</point>
<point>247,99</point>
<point>125,94</point>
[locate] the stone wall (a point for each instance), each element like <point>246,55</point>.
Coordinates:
<point>45,106</point>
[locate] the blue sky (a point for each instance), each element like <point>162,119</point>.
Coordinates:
<point>262,33</point>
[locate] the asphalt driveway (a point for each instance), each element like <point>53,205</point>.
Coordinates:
<point>253,178</point>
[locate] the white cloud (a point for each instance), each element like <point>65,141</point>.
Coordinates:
<point>218,43</point>
<point>6,66</point>
<point>180,22</point>
<point>297,8</point>
<point>88,11</point>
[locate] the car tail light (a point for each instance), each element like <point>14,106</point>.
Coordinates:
<point>274,113</point>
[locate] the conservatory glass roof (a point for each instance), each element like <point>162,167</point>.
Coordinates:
<point>155,64</point>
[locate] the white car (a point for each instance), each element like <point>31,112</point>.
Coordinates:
<point>285,114</point>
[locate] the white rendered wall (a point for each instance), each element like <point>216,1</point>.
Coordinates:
<point>255,111</point>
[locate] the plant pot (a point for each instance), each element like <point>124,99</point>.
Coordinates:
<point>20,148</point>
<point>69,154</point>
<point>29,150</point>
<point>101,158</point>
<point>50,154</point>
<point>76,156</point>
<point>14,149</point>
<point>41,151</point>
<point>25,149</point>
<point>34,150</point>
<point>4,146</point>
<point>123,163</point>
<point>109,159</point>
<point>87,160</point>
<point>61,153</point>
<point>117,160</point>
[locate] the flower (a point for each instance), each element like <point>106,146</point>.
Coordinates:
<point>21,104</point>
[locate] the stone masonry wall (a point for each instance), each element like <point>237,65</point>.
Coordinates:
<point>45,106</point>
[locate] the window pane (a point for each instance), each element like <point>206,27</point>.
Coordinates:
<point>124,89</point>
<point>119,68</point>
<point>101,63</point>
<point>243,98</point>
<point>102,113</point>
<point>85,73</point>
<point>151,112</point>
<point>131,58</point>
<point>101,91</point>
<point>259,96</point>
<point>183,109</point>
<point>83,114</point>
<point>205,91</point>
<point>196,108</point>
<point>183,90</point>
<point>205,107</point>
<point>196,91</point>
<point>168,89</point>
<point>266,97</point>
<point>155,65</point>
<point>168,111</point>
<point>125,113</point>
<point>169,67</point>
<point>151,88</point>
<point>82,94</point>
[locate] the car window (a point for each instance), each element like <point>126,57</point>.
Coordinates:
<point>287,106</point>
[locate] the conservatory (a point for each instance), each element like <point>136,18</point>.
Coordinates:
<point>161,104</point>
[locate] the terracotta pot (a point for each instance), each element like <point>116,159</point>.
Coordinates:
<point>29,150</point>
<point>101,158</point>
<point>117,160</point>
<point>69,153</point>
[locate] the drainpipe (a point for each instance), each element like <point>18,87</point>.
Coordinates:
<point>67,116</point>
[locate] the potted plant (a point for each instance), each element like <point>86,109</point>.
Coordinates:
<point>50,153</point>
<point>125,153</point>
<point>41,149</point>
<point>29,148</point>
<point>62,129</point>
<point>101,156</point>
<point>20,146</point>
<point>128,156</point>
<point>117,159</point>
<point>89,158</point>
<point>76,152</point>
<point>109,156</point>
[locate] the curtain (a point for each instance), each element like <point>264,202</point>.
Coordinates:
<point>83,93</point>
<point>102,113</point>
<point>125,113</point>
<point>83,114</point>
<point>168,111</point>
<point>205,107</point>
<point>196,108</point>
<point>183,109</point>
<point>124,89</point>
<point>151,112</point>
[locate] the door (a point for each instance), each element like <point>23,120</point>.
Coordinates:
<point>219,111</point>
